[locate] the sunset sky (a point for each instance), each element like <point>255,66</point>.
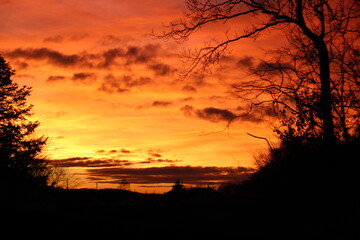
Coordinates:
<point>109,97</point>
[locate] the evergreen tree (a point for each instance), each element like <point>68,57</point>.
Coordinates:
<point>21,162</point>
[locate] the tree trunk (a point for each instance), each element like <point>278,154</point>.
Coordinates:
<point>325,96</point>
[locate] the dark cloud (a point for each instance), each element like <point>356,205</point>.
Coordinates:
<point>161,104</point>
<point>257,114</point>
<point>272,68</point>
<point>245,62</point>
<point>151,160</point>
<point>157,155</point>
<point>112,84</point>
<point>110,57</point>
<point>168,174</point>
<point>59,38</point>
<point>51,56</point>
<point>145,54</point>
<point>56,78</point>
<point>215,114</point>
<point>113,151</point>
<point>115,57</point>
<point>211,114</point>
<point>20,65</point>
<point>187,99</point>
<point>110,40</point>
<point>78,36</point>
<point>128,56</point>
<point>80,77</point>
<point>83,77</point>
<point>125,151</point>
<point>89,162</point>
<point>199,79</point>
<point>161,69</point>
<point>260,66</point>
<point>189,88</point>
<point>56,39</point>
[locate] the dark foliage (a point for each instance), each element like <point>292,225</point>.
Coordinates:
<point>317,185</point>
<point>21,165</point>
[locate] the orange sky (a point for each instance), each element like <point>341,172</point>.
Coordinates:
<point>109,98</point>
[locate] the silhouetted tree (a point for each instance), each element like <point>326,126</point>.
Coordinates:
<point>21,162</point>
<point>124,185</point>
<point>178,188</point>
<point>312,83</point>
<point>178,185</point>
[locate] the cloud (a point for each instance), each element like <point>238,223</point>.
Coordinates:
<point>80,77</point>
<point>89,162</point>
<point>161,104</point>
<point>272,68</point>
<point>51,56</point>
<point>136,54</point>
<point>262,67</point>
<point>110,40</point>
<point>168,174</point>
<point>84,77</point>
<point>112,84</point>
<point>56,78</point>
<point>161,69</point>
<point>158,155</point>
<point>151,160</point>
<point>245,62</point>
<point>257,114</point>
<point>55,39</point>
<point>211,114</point>
<point>113,151</point>
<point>215,114</point>
<point>115,57</point>
<point>189,88</point>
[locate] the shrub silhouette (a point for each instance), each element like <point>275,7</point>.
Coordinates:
<point>307,187</point>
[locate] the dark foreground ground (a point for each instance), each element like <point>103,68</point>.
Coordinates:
<point>198,214</point>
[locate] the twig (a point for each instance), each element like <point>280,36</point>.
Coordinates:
<point>263,138</point>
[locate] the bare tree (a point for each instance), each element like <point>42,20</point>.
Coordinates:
<point>312,84</point>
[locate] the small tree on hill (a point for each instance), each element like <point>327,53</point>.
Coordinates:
<point>178,186</point>
<point>21,162</point>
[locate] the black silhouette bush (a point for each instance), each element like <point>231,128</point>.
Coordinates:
<point>308,187</point>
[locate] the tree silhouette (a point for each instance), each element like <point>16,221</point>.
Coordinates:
<point>21,162</point>
<point>178,186</point>
<point>312,83</point>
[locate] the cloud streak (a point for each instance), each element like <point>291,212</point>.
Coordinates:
<point>115,57</point>
<point>213,114</point>
<point>168,174</point>
<point>88,162</point>
<point>114,170</point>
